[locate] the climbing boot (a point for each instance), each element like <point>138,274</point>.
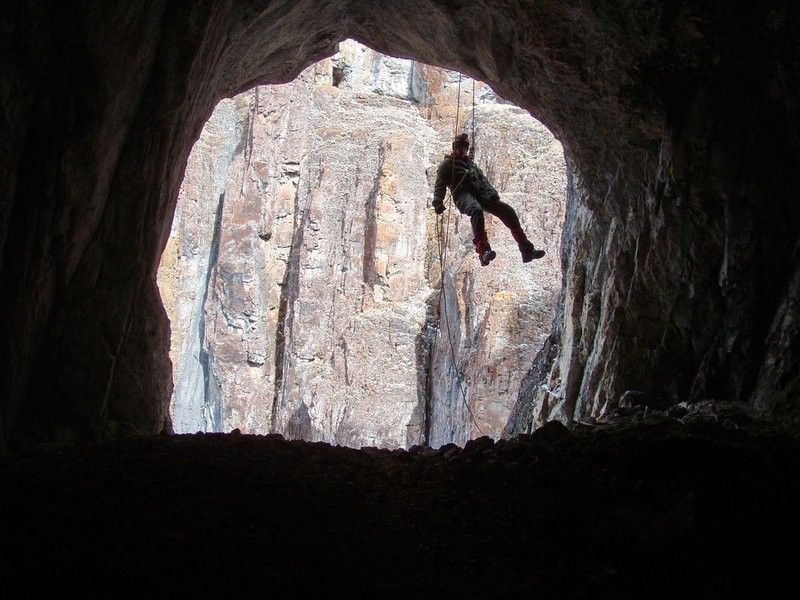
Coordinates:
<point>487,256</point>
<point>529,251</point>
<point>484,250</point>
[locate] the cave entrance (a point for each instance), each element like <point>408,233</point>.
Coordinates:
<point>301,276</point>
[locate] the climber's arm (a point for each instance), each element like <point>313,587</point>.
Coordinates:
<point>439,189</point>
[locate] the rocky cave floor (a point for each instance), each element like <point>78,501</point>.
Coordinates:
<point>645,506</point>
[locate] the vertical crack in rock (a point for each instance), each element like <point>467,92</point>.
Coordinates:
<point>370,277</point>
<point>289,293</point>
<point>424,344</point>
<point>467,295</point>
<point>343,346</point>
<point>212,412</point>
<point>187,265</point>
<point>248,139</point>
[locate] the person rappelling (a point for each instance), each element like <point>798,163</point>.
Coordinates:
<point>473,195</point>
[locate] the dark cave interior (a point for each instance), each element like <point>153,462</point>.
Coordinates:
<point>681,283</point>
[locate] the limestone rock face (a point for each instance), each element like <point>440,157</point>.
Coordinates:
<point>497,317</point>
<point>190,259</point>
<point>302,275</point>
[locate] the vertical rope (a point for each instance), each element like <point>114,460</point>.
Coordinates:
<point>472,148</point>
<point>458,108</point>
<point>442,239</point>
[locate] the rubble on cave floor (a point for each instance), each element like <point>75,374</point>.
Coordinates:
<point>651,506</point>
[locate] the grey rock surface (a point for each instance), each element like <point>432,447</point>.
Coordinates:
<point>302,275</point>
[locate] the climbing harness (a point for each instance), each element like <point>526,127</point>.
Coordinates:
<point>442,238</point>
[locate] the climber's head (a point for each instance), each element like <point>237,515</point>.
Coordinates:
<point>461,145</point>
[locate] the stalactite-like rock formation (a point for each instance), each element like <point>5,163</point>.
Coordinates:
<point>302,274</point>
<point>679,120</point>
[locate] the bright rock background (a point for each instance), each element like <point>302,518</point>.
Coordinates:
<point>302,273</point>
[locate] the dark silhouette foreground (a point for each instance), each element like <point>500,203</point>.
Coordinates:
<point>656,509</point>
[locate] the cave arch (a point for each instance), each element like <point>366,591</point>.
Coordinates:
<point>680,123</point>
<point>346,174</point>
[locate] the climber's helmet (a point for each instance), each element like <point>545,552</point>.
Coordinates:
<point>461,141</point>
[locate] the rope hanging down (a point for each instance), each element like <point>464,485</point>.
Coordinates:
<point>472,137</point>
<point>442,238</point>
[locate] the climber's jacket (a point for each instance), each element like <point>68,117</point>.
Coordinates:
<point>462,176</point>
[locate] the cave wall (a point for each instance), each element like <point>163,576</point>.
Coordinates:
<point>680,269</point>
<point>680,120</point>
<point>102,104</point>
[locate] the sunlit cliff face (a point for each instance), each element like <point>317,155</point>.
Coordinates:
<point>302,274</point>
<point>679,123</point>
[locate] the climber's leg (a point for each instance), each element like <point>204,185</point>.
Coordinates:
<point>468,205</point>
<point>493,205</point>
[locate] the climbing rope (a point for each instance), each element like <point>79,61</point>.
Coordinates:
<point>472,147</point>
<point>442,239</point>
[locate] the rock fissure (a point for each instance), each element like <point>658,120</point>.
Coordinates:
<point>288,296</point>
<point>211,405</point>
<point>369,276</point>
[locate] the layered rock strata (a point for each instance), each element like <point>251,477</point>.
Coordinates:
<point>302,276</point>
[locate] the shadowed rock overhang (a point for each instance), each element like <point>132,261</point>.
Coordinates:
<point>679,122</point>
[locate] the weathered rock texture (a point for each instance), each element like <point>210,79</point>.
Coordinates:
<point>679,120</point>
<point>497,317</point>
<point>302,275</point>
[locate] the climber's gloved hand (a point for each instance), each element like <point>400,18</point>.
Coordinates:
<point>439,208</point>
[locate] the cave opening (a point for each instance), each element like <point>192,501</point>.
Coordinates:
<point>672,360</point>
<point>302,278</point>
